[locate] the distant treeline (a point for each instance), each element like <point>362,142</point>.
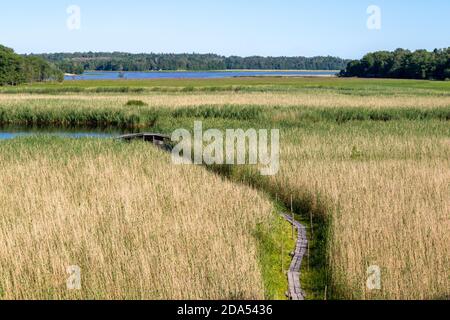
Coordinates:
<point>118,61</point>
<point>16,69</point>
<point>402,64</point>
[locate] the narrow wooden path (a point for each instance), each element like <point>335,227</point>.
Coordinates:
<point>294,273</point>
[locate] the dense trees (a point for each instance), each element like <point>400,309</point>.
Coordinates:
<point>16,69</point>
<point>420,64</point>
<point>10,67</point>
<point>118,61</point>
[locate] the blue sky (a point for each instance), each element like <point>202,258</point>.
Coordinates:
<point>228,27</point>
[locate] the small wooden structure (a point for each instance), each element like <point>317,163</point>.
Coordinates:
<point>295,289</point>
<point>159,140</point>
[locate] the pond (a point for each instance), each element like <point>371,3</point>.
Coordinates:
<point>98,75</point>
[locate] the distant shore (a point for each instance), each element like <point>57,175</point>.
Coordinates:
<point>225,70</point>
<point>275,70</point>
<point>113,75</point>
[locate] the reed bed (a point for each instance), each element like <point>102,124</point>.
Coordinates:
<point>279,109</point>
<point>137,226</point>
<point>387,202</point>
<point>374,196</point>
<point>308,98</point>
<point>367,160</point>
<point>249,84</point>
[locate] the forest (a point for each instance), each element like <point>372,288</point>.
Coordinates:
<point>16,69</point>
<point>402,64</point>
<point>77,63</point>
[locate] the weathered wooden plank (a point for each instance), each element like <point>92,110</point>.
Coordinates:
<point>295,290</point>
<point>153,136</point>
<point>159,140</point>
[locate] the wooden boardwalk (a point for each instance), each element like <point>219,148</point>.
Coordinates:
<point>160,140</point>
<point>294,273</point>
<point>295,289</point>
<point>149,137</point>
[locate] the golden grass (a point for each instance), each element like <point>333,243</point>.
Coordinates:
<point>387,197</point>
<point>310,99</point>
<point>389,204</point>
<point>139,227</point>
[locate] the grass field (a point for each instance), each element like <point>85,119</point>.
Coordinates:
<point>367,160</point>
<point>258,84</point>
<point>137,226</point>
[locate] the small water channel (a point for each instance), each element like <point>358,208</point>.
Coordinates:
<point>11,132</point>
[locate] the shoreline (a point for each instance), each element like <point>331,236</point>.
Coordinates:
<point>199,71</point>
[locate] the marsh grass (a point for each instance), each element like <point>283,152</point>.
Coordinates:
<point>309,210</point>
<point>278,109</point>
<point>70,115</point>
<point>367,159</point>
<point>378,195</point>
<point>358,86</point>
<point>222,112</point>
<point>137,226</point>
<point>136,103</point>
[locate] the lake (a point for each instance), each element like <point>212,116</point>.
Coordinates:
<point>97,75</point>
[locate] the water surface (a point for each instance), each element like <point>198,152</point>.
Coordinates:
<point>98,75</point>
<point>7,133</point>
